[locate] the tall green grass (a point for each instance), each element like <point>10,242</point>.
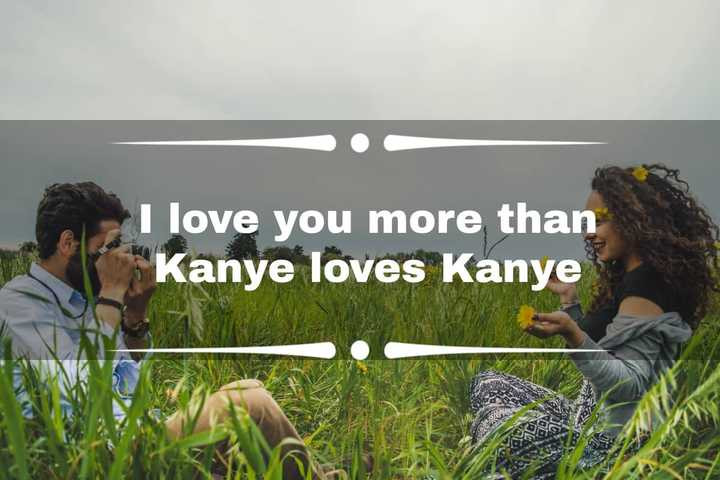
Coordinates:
<point>412,416</point>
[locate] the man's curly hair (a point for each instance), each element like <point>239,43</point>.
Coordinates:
<point>70,206</point>
<point>668,229</point>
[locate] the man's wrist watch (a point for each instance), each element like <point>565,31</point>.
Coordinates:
<point>139,330</point>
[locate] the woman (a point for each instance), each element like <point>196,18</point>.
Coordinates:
<point>654,253</point>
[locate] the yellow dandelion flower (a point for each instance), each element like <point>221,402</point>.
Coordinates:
<point>361,366</point>
<point>543,261</point>
<point>640,173</point>
<point>525,316</point>
<point>431,274</point>
<point>602,214</point>
<point>171,394</point>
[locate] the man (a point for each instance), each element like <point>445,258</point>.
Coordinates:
<point>44,310</point>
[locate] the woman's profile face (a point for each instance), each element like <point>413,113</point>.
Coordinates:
<point>606,241</point>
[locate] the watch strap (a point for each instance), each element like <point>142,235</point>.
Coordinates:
<point>110,302</point>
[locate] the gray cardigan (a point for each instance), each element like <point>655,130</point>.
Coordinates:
<point>636,351</point>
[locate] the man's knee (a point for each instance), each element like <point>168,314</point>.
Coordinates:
<point>262,408</point>
<point>250,395</point>
<point>259,404</point>
<point>243,384</point>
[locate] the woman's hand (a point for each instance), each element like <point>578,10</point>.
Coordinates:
<point>566,291</point>
<point>557,323</point>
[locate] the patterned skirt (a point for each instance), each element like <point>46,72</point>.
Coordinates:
<point>541,435</point>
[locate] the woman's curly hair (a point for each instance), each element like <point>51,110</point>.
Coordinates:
<point>669,230</point>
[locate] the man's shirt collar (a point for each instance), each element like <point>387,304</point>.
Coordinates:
<point>68,296</point>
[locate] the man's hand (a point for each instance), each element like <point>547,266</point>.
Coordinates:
<point>557,323</point>
<point>138,295</point>
<point>115,269</point>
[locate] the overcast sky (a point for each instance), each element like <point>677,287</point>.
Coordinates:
<point>370,60</point>
<point>539,59</point>
<point>266,179</point>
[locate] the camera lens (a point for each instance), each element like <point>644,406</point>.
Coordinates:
<point>142,251</point>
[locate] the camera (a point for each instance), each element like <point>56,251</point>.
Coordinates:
<point>141,250</point>
<point>134,249</point>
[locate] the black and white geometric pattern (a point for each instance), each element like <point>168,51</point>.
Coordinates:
<point>541,435</point>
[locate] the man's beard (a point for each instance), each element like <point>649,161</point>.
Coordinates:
<point>74,274</point>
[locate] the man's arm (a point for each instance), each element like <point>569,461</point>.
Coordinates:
<point>117,271</point>
<point>137,299</point>
<point>31,323</point>
<point>35,328</point>
<point>139,344</point>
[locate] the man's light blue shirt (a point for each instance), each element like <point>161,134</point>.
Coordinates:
<point>48,336</point>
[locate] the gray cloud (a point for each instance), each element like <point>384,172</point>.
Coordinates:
<point>360,60</point>
<point>36,154</point>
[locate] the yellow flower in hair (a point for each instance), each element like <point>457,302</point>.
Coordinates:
<point>525,316</point>
<point>602,214</point>
<point>640,173</point>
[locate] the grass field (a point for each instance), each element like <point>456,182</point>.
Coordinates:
<point>411,415</point>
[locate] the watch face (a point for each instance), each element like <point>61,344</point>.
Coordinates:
<point>139,330</point>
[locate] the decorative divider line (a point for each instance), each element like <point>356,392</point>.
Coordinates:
<point>395,143</point>
<point>327,350</point>
<point>313,350</point>
<point>326,143</point>
<point>395,350</point>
